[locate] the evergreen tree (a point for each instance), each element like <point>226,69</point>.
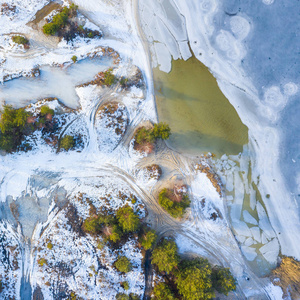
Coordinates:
<point>165,256</point>
<point>194,280</point>
<point>223,281</point>
<point>123,264</point>
<point>127,219</point>
<point>162,292</point>
<point>148,239</point>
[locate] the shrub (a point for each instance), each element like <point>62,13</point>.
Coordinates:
<point>133,296</point>
<point>74,58</point>
<point>161,130</point>
<point>50,29</point>
<point>143,136</point>
<point>165,256</point>
<point>49,246</point>
<point>123,264</point>
<point>148,239</point>
<point>122,296</point>
<point>67,142</point>
<point>127,219</point>
<point>109,77</point>
<point>162,292</point>
<point>42,261</point>
<point>125,285</point>
<point>45,110</point>
<point>223,281</point>
<point>18,39</point>
<point>175,209</point>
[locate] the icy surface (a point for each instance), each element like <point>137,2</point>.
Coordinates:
<point>253,52</point>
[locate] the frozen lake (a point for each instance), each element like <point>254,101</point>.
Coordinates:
<point>53,82</point>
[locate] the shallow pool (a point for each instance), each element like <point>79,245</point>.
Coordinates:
<point>200,116</point>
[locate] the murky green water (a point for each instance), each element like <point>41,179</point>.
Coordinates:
<point>200,116</point>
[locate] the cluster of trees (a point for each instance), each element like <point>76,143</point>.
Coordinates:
<point>63,25</point>
<point>60,20</point>
<point>13,126</point>
<point>188,279</point>
<point>175,208</point>
<point>17,123</point>
<point>113,227</point>
<point>160,130</point>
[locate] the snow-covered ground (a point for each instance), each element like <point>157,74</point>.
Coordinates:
<point>106,172</point>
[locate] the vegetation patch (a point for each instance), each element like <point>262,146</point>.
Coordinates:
<point>188,279</point>
<point>148,239</point>
<point>123,264</point>
<point>145,137</point>
<point>112,228</point>
<point>21,40</point>
<point>67,142</point>
<point>165,256</point>
<point>174,201</point>
<point>64,24</point>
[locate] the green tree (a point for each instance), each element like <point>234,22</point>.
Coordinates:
<point>67,142</point>
<point>194,280</point>
<point>165,256</point>
<point>148,239</point>
<point>115,234</point>
<point>45,110</point>
<point>143,136</point>
<point>50,29</point>
<point>123,264</point>
<point>92,225</point>
<point>223,281</point>
<point>161,130</point>
<point>175,209</point>
<point>60,19</point>
<point>162,292</point>
<point>127,219</point>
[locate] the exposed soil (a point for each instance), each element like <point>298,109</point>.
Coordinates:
<point>287,276</point>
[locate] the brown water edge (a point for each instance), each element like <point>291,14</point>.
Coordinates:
<point>200,116</point>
